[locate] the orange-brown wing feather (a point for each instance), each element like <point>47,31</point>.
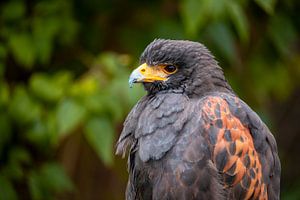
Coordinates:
<point>233,151</point>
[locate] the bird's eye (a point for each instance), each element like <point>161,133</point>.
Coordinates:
<point>170,69</point>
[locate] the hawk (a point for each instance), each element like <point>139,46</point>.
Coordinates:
<point>191,137</point>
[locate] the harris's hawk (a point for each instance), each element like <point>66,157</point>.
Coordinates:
<point>191,137</point>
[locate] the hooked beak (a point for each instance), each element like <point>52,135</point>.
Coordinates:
<point>145,73</point>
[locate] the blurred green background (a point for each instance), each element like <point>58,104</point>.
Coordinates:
<point>64,68</point>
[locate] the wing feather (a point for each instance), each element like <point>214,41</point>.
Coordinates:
<point>241,160</point>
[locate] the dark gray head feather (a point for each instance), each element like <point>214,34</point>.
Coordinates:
<point>198,71</point>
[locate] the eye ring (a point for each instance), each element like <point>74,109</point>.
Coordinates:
<point>170,69</point>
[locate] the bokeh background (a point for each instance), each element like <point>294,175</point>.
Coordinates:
<point>64,68</point>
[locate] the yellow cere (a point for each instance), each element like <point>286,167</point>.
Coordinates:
<point>152,73</point>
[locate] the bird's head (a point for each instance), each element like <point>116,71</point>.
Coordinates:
<point>178,65</point>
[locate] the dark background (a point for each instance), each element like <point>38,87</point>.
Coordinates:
<point>64,68</point>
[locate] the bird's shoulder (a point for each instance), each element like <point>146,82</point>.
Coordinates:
<point>242,147</point>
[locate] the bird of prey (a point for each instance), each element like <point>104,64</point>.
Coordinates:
<point>190,136</point>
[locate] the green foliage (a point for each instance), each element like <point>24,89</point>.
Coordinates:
<point>58,79</point>
<point>23,108</point>
<point>283,34</point>
<point>30,39</point>
<point>239,19</point>
<point>69,114</point>
<point>6,190</point>
<point>53,101</point>
<point>21,47</point>
<point>99,134</point>
<point>267,5</point>
<point>47,181</point>
<point>50,88</point>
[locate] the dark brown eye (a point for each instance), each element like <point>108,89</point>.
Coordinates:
<point>170,69</point>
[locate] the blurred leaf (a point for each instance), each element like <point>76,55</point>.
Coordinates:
<point>86,86</point>
<point>54,176</point>
<point>94,103</point>
<point>270,80</point>
<point>19,155</point>
<point>223,38</point>
<point>193,13</point>
<point>22,48</point>
<point>54,21</point>
<point>216,8</point>
<point>17,158</point>
<point>63,78</point>
<point>283,34</point>
<point>23,108</point>
<point>69,115</point>
<point>68,30</point>
<point>49,88</point>
<point>43,87</point>
<point>44,31</point>
<point>48,181</point>
<point>109,62</point>
<point>52,127</point>
<point>239,19</point>
<point>37,134</point>
<point>267,5</point>
<point>100,134</point>
<point>112,105</point>
<point>7,191</point>
<point>13,10</point>
<point>35,187</point>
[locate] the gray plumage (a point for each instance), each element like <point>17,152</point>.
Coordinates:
<point>191,137</point>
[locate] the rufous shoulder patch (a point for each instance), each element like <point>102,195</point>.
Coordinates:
<point>234,153</point>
